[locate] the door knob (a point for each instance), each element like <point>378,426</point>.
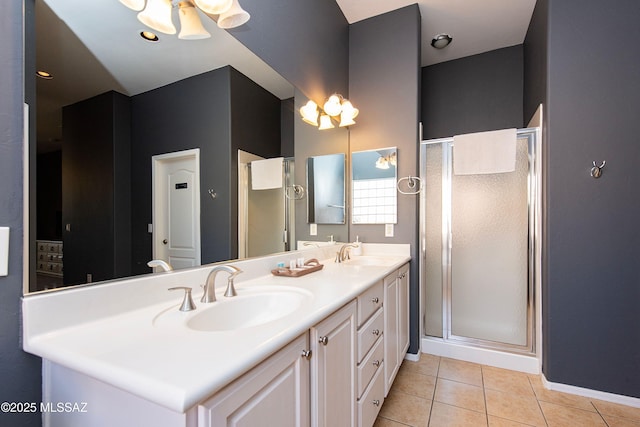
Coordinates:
<point>165,241</point>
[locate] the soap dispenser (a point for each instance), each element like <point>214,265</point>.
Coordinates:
<point>357,251</point>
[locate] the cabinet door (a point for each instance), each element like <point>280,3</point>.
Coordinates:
<point>403,312</point>
<point>333,369</point>
<point>391,362</point>
<point>275,393</point>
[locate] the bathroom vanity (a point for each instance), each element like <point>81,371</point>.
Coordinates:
<point>317,350</point>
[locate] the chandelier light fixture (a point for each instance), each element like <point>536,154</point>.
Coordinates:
<point>336,107</point>
<point>157,15</point>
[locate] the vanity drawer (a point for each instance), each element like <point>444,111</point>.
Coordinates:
<point>369,366</point>
<point>369,301</point>
<point>372,399</point>
<point>369,334</point>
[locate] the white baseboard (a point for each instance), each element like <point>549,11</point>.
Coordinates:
<point>483,356</point>
<point>593,394</point>
<point>412,357</point>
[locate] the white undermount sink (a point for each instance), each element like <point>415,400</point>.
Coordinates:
<point>250,308</point>
<point>372,260</point>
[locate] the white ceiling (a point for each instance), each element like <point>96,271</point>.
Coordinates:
<point>116,57</point>
<point>476,25</point>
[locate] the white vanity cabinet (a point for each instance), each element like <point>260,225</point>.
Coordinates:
<point>333,346</point>
<point>275,393</point>
<point>396,322</point>
<point>370,366</point>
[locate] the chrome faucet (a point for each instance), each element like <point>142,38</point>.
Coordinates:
<point>210,284</point>
<point>343,254</point>
<point>160,263</point>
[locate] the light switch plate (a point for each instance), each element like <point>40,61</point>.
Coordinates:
<point>388,230</point>
<point>4,251</point>
<point>313,229</point>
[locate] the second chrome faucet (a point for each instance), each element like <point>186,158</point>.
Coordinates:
<point>210,284</point>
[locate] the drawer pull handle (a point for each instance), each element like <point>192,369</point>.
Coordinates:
<point>375,300</point>
<point>376,363</point>
<point>376,402</point>
<point>323,340</point>
<point>306,354</point>
<point>376,332</point>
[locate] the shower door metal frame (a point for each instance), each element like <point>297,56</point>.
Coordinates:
<point>532,135</point>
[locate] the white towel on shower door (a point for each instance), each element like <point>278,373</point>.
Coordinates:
<point>485,152</point>
<point>266,174</point>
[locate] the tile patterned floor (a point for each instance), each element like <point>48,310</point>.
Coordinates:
<point>441,392</point>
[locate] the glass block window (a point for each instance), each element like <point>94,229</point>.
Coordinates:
<point>374,201</point>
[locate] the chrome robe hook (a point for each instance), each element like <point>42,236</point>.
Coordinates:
<point>596,171</point>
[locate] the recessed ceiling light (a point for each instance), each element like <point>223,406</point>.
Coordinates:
<point>441,41</point>
<point>149,36</point>
<point>44,75</point>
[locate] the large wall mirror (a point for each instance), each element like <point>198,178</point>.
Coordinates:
<point>373,186</point>
<point>129,100</point>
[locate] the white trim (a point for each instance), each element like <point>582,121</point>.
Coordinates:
<point>25,200</point>
<point>412,357</point>
<point>499,359</point>
<point>594,394</point>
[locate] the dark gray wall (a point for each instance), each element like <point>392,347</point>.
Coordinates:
<point>49,195</point>
<point>96,199</point>
<point>255,128</point>
<point>219,112</point>
<point>306,41</point>
<point>591,318</point>
<point>191,113</point>
<point>20,372</point>
<point>384,83</point>
<point>473,94</point>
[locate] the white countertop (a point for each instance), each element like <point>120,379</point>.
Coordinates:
<point>108,331</point>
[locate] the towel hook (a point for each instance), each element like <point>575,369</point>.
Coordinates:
<point>294,192</point>
<point>596,171</point>
<point>413,183</point>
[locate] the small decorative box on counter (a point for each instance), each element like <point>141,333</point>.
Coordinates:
<point>308,267</point>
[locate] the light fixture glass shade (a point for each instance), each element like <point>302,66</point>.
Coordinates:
<point>309,113</point>
<point>214,7</point>
<point>382,163</point>
<point>346,120</point>
<point>157,15</point>
<point>234,17</point>
<point>325,122</point>
<point>349,109</point>
<point>136,5</point>
<point>348,114</point>
<point>190,25</point>
<point>332,107</point>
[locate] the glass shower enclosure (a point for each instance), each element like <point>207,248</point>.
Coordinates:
<point>478,249</point>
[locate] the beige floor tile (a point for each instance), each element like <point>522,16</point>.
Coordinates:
<point>506,380</point>
<point>383,422</point>
<point>415,384</point>
<point>406,409</point>
<point>501,422</point>
<point>427,365</point>
<point>565,416</point>
<point>559,398</point>
<point>620,422</point>
<point>617,410</point>
<point>457,370</point>
<point>523,409</point>
<point>465,396</point>
<point>451,416</point>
